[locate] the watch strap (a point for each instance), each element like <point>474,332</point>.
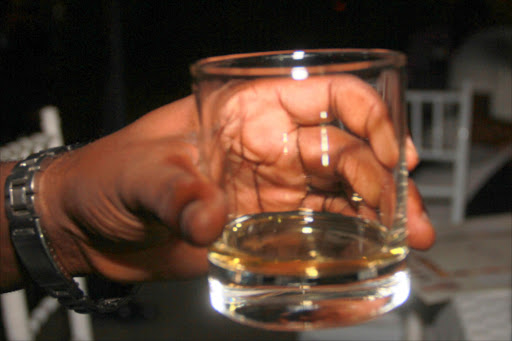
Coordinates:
<point>34,249</point>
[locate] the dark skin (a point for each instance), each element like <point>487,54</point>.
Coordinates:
<point>134,206</point>
<point>268,174</point>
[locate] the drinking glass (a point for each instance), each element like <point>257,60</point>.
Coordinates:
<point>308,147</point>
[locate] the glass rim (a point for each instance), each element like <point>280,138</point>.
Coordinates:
<point>213,66</point>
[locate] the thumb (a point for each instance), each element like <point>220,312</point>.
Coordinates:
<point>203,219</point>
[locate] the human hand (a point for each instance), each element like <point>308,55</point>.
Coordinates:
<point>133,206</point>
<point>276,145</point>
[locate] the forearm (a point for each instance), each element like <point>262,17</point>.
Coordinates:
<point>11,278</point>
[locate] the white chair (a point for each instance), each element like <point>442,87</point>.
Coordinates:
<point>49,137</point>
<point>440,123</point>
<point>21,323</point>
<point>451,168</point>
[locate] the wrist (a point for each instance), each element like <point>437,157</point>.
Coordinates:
<point>44,252</point>
<point>52,206</point>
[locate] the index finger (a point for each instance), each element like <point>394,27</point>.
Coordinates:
<point>354,102</point>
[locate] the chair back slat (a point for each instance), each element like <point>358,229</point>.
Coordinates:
<point>440,124</point>
<point>433,116</point>
<point>50,136</point>
<point>416,124</point>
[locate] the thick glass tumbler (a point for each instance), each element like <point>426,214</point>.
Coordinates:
<point>309,149</point>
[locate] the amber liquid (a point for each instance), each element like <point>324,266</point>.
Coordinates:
<point>304,270</point>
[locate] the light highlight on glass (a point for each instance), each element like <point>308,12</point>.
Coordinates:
<point>300,73</point>
<point>298,55</point>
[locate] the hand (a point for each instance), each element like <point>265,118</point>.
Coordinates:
<point>133,205</point>
<point>276,147</point>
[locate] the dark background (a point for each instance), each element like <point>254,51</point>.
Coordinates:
<point>105,63</point>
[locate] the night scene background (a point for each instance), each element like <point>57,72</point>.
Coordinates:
<point>105,63</point>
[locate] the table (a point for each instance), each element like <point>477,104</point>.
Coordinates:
<point>468,274</point>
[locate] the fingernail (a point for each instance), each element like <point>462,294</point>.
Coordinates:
<point>411,154</point>
<point>425,217</point>
<point>185,221</point>
<point>410,147</point>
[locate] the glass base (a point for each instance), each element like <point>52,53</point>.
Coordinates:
<point>306,307</point>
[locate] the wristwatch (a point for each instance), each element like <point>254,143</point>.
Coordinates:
<point>34,249</point>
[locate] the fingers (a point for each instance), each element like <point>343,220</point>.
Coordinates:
<point>277,107</point>
<point>351,100</point>
<point>363,155</point>
<point>421,233</point>
<point>362,111</point>
<point>333,156</point>
<point>202,220</point>
<point>166,189</point>
<point>193,205</point>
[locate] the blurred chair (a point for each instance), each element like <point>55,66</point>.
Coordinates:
<point>451,168</point>
<point>20,322</point>
<point>440,123</point>
<point>49,137</point>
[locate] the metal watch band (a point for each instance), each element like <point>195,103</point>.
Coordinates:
<point>32,246</point>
